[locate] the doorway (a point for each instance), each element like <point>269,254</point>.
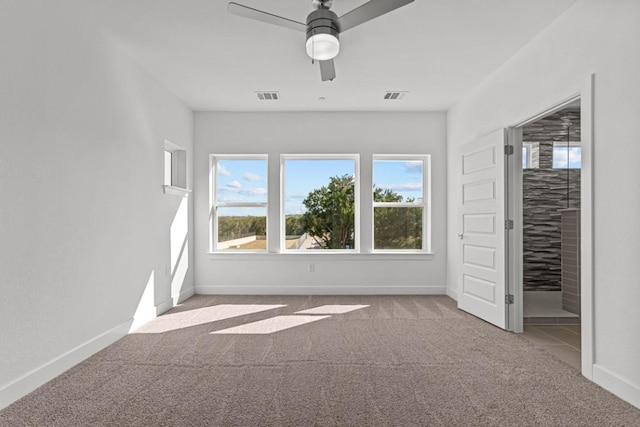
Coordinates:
<point>578,98</point>
<point>490,193</point>
<point>551,177</point>
<point>551,172</point>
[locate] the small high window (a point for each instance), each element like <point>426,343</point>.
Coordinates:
<point>175,169</point>
<point>530,155</point>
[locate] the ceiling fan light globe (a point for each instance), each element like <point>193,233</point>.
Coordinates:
<point>323,47</point>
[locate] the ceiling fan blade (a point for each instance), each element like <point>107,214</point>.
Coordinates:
<point>269,18</point>
<point>327,70</point>
<point>368,11</point>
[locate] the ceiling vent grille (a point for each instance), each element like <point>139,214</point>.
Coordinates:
<point>268,96</point>
<point>393,96</point>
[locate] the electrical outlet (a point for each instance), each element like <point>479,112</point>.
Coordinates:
<point>311,268</point>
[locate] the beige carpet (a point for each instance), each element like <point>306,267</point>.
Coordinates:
<point>397,361</point>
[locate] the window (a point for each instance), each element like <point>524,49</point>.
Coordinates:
<point>567,156</point>
<point>530,155</point>
<point>175,169</point>
<point>239,203</point>
<point>320,203</point>
<point>400,203</point>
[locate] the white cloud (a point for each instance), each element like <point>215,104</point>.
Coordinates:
<point>254,191</point>
<point>232,198</point>
<point>223,171</point>
<point>413,166</point>
<point>296,196</point>
<point>562,158</point>
<point>407,186</point>
<point>232,187</point>
<point>250,176</point>
<point>240,195</point>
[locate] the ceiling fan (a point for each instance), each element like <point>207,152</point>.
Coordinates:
<point>323,26</point>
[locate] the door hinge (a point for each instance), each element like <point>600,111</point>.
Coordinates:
<point>508,150</point>
<point>508,224</point>
<point>508,299</point>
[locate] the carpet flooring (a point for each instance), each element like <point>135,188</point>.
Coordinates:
<point>320,361</point>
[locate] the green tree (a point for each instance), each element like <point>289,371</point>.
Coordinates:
<point>234,227</point>
<point>396,227</point>
<point>258,225</point>
<point>294,225</point>
<point>330,215</point>
<point>387,195</point>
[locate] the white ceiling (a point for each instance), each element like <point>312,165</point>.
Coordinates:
<point>438,50</point>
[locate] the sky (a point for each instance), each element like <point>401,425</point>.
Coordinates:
<point>561,157</point>
<point>303,176</point>
<point>245,180</point>
<point>241,181</point>
<point>403,177</point>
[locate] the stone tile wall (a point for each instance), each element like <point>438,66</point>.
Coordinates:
<point>544,194</point>
<point>570,247</point>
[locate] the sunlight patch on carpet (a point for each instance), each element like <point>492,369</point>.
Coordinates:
<point>332,309</point>
<point>269,326</point>
<point>201,316</point>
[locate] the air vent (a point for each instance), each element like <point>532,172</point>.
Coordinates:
<point>268,96</point>
<point>392,96</point>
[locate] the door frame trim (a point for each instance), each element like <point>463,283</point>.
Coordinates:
<point>583,91</point>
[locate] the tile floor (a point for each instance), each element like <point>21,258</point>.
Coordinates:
<point>563,341</point>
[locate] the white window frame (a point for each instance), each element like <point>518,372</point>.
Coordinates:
<point>426,201</point>
<point>214,205</point>
<point>356,193</point>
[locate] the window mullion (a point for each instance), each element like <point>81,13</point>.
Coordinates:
<point>398,205</point>
<point>241,204</point>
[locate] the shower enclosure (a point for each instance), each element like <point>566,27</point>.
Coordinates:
<point>551,157</point>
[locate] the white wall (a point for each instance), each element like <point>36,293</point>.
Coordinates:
<point>294,133</point>
<point>601,37</point>
<point>84,223</point>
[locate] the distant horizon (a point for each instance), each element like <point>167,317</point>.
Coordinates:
<point>245,180</point>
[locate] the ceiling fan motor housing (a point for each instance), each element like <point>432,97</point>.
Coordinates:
<point>322,21</point>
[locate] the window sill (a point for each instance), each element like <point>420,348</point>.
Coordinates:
<point>317,257</point>
<point>175,191</point>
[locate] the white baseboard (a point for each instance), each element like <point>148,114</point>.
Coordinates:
<point>452,293</point>
<point>30,381</point>
<point>617,385</point>
<point>184,295</point>
<point>164,306</point>
<point>320,290</point>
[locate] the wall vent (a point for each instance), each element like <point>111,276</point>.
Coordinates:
<point>268,96</point>
<point>395,95</point>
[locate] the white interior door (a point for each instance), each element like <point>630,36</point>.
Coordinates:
<point>481,207</point>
